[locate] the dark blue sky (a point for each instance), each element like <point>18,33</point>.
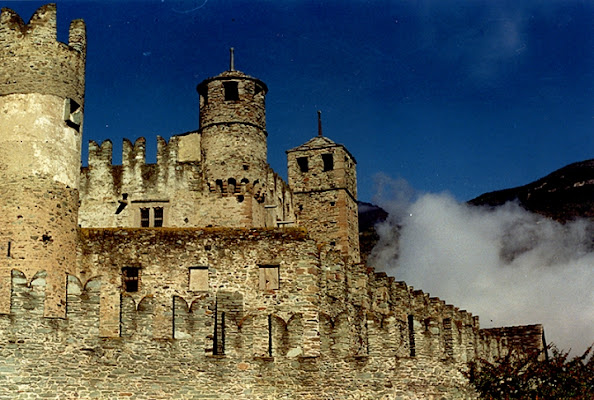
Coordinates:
<point>458,96</point>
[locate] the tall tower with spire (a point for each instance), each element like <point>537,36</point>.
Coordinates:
<point>233,128</point>
<point>41,108</point>
<point>323,177</point>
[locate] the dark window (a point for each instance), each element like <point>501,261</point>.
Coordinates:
<point>303,164</point>
<point>328,162</point>
<point>411,335</point>
<point>258,89</point>
<point>130,279</point>
<point>158,211</point>
<point>145,220</point>
<point>231,90</point>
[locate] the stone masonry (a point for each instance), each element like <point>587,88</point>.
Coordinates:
<point>204,275</point>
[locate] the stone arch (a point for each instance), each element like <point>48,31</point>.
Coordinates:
<point>182,321</point>
<point>27,295</point>
<point>128,316</point>
<point>295,335</point>
<point>343,336</point>
<point>278,336</point>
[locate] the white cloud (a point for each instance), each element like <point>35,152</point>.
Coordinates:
<point>506,265</point>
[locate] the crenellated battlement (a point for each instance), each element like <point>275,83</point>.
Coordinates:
<point>33,61</point>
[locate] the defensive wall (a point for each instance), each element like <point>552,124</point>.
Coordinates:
<point>182,278</point>
<point>328,331</point>
<point>112,195</point>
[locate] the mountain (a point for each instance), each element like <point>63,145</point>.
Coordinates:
<point>563,195</point>
<point>369,215</point>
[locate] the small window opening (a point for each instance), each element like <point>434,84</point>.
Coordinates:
<point>145,219</point>
<point>158,211</point>
<point>246,167</point>
<point>328,162</point>
<point>258,89</point>
<point>411,335</point>
<point>303,164</point>
<point>332,203</point>
<point>269,277</point>
<point>231,184</point>
<point>332,243</point>
<point>8,250</point>
<point>219,333</point>
<point>72,114</point>
<point>131,279</point>
<point>231,91</point>
<point>448,338</point>
<point>240,198</point>
<point>219,185</point>
<point>269,335</point>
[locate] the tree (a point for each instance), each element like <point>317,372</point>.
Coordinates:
<point>529,377</point>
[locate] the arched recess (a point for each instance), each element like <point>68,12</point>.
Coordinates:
<point>27,296</point>
<point>182,321</point>
<point>278,336</point>
<point>201,323</point>
<point>128,316</point>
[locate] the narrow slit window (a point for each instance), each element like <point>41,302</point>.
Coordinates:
<point>328,162</point>
<point>411,335</point>
<point>231,91</point>
<point>158,216</point>
<point>303,164</point>
<point>269,277</point>
<point>131,279</point>
<point>145,217</point>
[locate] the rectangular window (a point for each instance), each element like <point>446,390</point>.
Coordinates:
<point>411,335</point>
<point>145,220</point>
<point>158,216</point>
<point>328,162</point>
<point>131,279</point>
<point>231,90</point>
<point>152,217</point>
<point>303,164</point>
<point>269,277</point>
<point>198,279</point>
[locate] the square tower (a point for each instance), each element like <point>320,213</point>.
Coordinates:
<point>323,177</point>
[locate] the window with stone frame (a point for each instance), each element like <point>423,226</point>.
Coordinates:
<point>269,276</point>
<point>131,279</point>
<point>198,279</point>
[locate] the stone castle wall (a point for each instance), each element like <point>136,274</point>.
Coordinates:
<point>112,195</point>
<point>328,332</point>
<point>33,61</point>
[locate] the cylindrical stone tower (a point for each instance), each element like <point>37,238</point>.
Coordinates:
<point>41,109</point>
<point>233,128</point>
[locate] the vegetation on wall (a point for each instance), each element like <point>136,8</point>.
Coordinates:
<point>528,377</point>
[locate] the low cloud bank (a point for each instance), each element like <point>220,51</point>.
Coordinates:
<point>506,265</point>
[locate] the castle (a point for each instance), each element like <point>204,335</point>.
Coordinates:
<point>204,275</point>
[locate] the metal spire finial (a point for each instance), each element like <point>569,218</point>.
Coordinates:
<point>231,60</point>
<point>319,123</point>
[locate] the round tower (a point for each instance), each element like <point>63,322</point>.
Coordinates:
<point>41,110</point>
<point>233,128</point>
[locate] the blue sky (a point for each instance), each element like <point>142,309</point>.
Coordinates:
<point>458,96</point>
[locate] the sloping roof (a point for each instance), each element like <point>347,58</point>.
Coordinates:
<point>320,142</point>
